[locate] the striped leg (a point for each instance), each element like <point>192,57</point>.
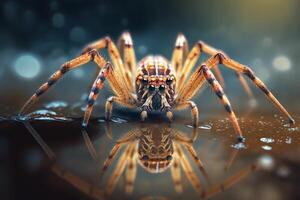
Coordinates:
<point>192,58</point>
<point>106,42</point>
<point>119,169</point>
<point>176,174</point>
<point>232,64</point>
<point>187,168</point>
<point>194,110</point>
<point>109,105</point>
<point>179,53</point>
<point>66,67</point>
<point>131,171</point>
<point>217,88</point>
<point>98,84</point>
<point>127,53</point>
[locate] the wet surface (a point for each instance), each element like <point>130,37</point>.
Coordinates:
<point>49,157</point>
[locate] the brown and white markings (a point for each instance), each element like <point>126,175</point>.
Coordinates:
<point>155,83</point>
<point>157,148</point>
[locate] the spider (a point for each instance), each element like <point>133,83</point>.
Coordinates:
<point>155,84</point>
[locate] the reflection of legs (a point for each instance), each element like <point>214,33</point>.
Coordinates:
<point>90,189</point>
<point>128,137</point>
<point>131,171</point>
<point>176,174</point>
<point>188,144</point>
<point>122,162</point>
<point>187,168</point>
<point>229,182</point>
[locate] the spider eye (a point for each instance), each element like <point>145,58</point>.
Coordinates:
<point>169,158</point>
<point>145,81</point>
<point>151,88</point>
<point>169,81</point>
<point>145,158</point>
<point>162,88</point>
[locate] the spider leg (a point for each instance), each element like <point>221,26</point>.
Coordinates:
<point>83,186</point>
<point>197,80</point>
<point>194,110</point>
<point>125,45</point>
<point>187,168</point>
<point>131,171</point>
<point>243,173</point>
<point>92,55</point>
<point>176,174</point>
<point>239,68</point>
<point>72,64</point>
<point>98,84</point>
<point>122,163</point>
<point>129,136</point>
<point>192,59</point>
<point>188,144</point>
<point>179,53</point>
<point>106,42</point>
<point>109,105</point>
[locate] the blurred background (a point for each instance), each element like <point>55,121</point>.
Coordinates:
<point>38,36</point>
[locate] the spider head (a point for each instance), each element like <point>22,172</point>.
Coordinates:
<point>155,149</point>
<point>155,81</point>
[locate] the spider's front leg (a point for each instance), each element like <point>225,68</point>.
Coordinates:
<point>194,110</point>
<point>92,55</point>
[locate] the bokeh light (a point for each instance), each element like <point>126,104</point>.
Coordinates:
<point>282,63</point>
<point>27,66</point>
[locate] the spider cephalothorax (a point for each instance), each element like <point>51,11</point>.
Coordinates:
<point>155,83</point>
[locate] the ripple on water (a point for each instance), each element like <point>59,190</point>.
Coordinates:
<point>118,120</point>
<point>267,140</point>
<point>204,127</point>
<point>45,115</point>
<point>239,145</point>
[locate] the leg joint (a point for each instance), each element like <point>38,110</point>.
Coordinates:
<point>220,56</point>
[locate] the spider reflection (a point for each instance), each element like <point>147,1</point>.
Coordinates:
<point>157,149</point>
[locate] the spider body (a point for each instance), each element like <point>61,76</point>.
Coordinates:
<point>156,84</point>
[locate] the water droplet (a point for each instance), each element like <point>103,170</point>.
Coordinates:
<point>118,120</point>
<point>239,145</point>
<point>288,140</point>
<point>267,140</point>
<point>267,147</point>
<point>293,129</point>
<point>56,104</point>
<point>205,127</point>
